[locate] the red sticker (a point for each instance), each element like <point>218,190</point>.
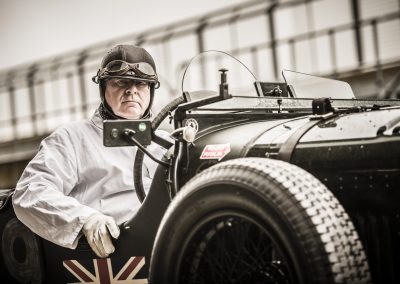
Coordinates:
<point>216,151</point>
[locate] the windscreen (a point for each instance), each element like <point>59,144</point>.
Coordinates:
<point>308,86</point>
<point>202,76</point>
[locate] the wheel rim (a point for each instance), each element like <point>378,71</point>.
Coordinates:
<point>233,248</point>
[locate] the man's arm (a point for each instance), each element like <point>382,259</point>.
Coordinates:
<point>41,198</point>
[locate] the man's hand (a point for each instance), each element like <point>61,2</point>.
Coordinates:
<point>96,231</point>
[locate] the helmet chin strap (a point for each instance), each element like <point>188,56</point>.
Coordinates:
<point>147,114</point>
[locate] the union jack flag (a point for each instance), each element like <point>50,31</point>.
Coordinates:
<point>103,271</point>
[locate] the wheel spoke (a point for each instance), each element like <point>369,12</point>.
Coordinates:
<point>232,250</point>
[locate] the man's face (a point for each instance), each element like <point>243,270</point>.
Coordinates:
<point>127,98</point>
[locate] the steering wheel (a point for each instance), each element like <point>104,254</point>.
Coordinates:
<point>138,164</point>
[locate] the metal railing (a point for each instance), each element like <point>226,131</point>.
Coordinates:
<point>36,98</point>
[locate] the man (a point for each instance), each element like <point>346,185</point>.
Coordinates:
<point>75,185</point>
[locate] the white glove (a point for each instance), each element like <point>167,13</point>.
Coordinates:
<point>96,231</point>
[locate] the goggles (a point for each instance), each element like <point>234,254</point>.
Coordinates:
<point>120,67</point>
<point>123,69</point>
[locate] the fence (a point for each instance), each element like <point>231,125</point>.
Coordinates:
<point>323,37</point>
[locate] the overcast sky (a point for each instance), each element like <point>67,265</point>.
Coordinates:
<point>34,29</point>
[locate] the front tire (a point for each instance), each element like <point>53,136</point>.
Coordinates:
<point>256,220</point>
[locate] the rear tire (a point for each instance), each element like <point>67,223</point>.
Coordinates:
<point>21,253</point>
<point>257,220</point>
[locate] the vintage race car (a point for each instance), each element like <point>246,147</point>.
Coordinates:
<point>266,182</point>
